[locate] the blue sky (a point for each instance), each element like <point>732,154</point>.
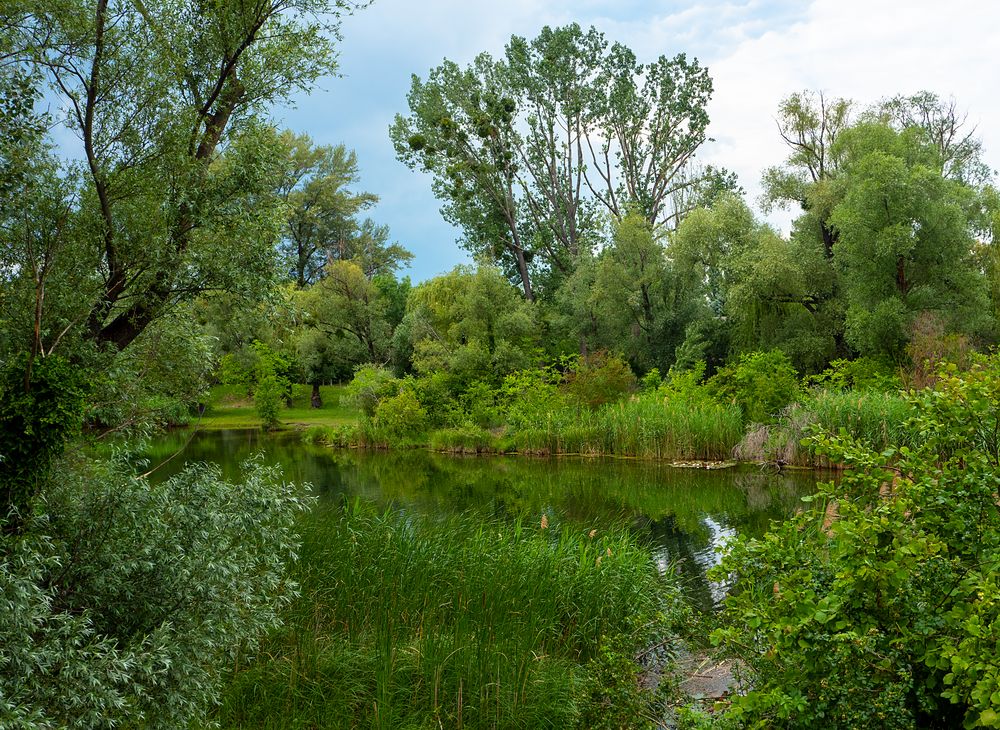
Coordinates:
<point>757,52</point>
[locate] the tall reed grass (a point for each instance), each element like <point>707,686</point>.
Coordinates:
<point>878,419</point>
<point>648,427</point>
<point>453,622</point>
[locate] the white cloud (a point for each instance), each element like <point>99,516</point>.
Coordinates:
<point>861,49</point>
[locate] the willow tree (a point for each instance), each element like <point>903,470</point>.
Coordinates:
<point>166,98</point>
<point>175,192</point>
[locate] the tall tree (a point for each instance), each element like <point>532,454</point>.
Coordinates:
<point>165,99</point>
<point>174,194</point>
<point>322,208</point>
<point>529,151</point>
<point>906,240</point>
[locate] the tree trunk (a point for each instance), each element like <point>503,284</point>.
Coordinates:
<point>315,400</point>
<point>522,269</point>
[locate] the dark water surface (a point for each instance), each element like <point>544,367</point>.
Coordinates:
<point>685,514</point>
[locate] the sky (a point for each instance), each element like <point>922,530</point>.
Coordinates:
<point>757,52</point>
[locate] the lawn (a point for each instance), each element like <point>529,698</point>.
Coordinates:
<point>231,407</point>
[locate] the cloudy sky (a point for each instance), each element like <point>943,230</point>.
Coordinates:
<point>757,52</point>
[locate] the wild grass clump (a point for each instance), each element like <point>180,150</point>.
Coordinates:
<point>648,426</point>
<point>877,419</point>
<point>413,622</point>
<point>468,439</point>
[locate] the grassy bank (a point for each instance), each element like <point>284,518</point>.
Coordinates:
<point>231,408</point>
<point>647,426</point>
<point>411,622</point>
<point>880,420</point>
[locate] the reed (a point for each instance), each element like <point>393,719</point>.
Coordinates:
<point>649,426</point>
<point>468,439</point>
<point>411,622</point>
<point>878,419</point>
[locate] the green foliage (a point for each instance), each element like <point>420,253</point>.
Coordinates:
<point>267,400</point>
<point>472,324</point>
<point>617,699</point>
<point>484,133</point>
<point>760,383</point>
<point>528,395</point>
<point>406,621</point>
<point>370,386</point>
<point>861,374</point>
<point>879,420</point>
<point>400,415</point>
<point>648,426</point>
<point>629,298</point>
<point>889,587</point>
<point>42,404</point>
<point>125,602</point>
<point>651,380</point>
<point>159,380</point>
<point>598,379</point>
<point>905,239</point>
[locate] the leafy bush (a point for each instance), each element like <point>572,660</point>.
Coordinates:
<point>370,385</point>
<point>527,396</point>
<point>600,378</point>
<point>267,400</point>
<point>760,383</point>
<point>880,608</point>
<point>401,415</point>
<point>864,374</point>
<point>41,408</point>
<point>125,602</point>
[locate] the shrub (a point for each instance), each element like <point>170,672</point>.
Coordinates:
<point>760,383</point>
<point>879,609</point>
<point>528,396</point>
<point>600,378</point>
<point>863,374</point>
<point>267,400</point>
<point>125,602</point>
<point>370,385</point>
<point>401,415</point>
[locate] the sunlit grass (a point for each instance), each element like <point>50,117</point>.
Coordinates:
<point>231,408</point>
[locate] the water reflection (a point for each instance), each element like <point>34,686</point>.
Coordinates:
<point>686,514</point>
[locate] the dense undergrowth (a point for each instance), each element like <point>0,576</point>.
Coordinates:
<point>880,609</point>
<point>756,410</point>
<point>407,621</point>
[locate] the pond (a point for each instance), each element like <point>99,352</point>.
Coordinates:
<point>684,514</point>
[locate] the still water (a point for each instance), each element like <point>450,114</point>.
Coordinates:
<point>685,515</point>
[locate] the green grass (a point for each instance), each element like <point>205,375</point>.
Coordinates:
<point>409,622</point>
<point>651,427</point>
<point>231,408</point>
<point>878,419</point>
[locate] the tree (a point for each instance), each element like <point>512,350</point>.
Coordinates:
<point>470,323</point>
<point>905,240</point>
<point>770,292</point>
<point>166,102</point>
<point>945,128</point>
<point>526,150</point>
<point>322,209</point>
<point>348,319</point>
<point>628,298</point>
